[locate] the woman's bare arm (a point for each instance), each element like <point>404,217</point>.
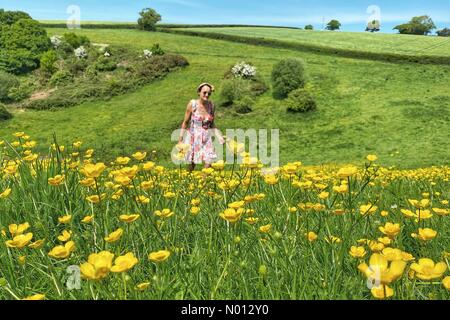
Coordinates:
<point>187,118</point>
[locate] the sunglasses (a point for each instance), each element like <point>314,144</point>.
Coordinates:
<point>206,93</point>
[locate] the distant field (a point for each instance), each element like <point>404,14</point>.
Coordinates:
<point>374,42</point>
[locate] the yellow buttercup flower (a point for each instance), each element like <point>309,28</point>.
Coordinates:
<point>65,236</point>
<point>357,252</point>
<point>372,157</point>
<point>441,212</point>
<point>5,193</point>
<point>311,236</point>
<point>148,166</point>
<point>139,155</point>
<point>87,219</point>
<point>392,254</point>
<point>142,286</point>
<point>324,195</point>
<point>266,228</point>
<point>422,204</point>
<point>65,219</point>
<point>232,215</point>
<point>236,205</point>
<point>93,170</point>
<point>124,263</point>
<point>16,230</point>
<point>347,171</point>
<point>390,229</point>
<point>426,269</point>
<point>62,252</point>
<point>194,210</point>
<point>341,189</point>
<point>382,292</point>
<point>381,271</point>
<point>165,213</point>
<point>159,256</point>
<point>56,180</point>
<point>122,160</point>
<point>35,297</point>
<point>129,218</point>
<point>19,241</point>
<point>251,220</point>
<point>98,265</point>
<point>333,239</point>
<point>142,199</point>
<point>37,244</point>
<point>95,198</point>
<point>114,236</point>
<point>446,282</point>
<point>425,234</point>
<point>376,246</point>
<point>271,179</point>
<point>368,209</point>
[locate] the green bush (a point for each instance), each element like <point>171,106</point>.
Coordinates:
<point>300,100</point>
<point>61,77</point>
<point>157,50</point>
<point>75,41</point>
<point>21,45</point>
<point>233,90</point>
<point>21,92</point>
<point>288,75</point>
<point>244,104</point>
<point>4,114</point>
<point>11,17</point>
<point>48,62</point>
<point>7,82</point>
<point>105,64</point>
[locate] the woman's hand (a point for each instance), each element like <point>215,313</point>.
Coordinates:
<point>221,140</point>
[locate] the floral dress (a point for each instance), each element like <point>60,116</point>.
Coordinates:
<point>199,137</point>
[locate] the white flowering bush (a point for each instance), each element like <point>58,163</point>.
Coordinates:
<point>243,70</point>
<point>107,54</point>
<point>56,41</point>
<point>147,53</point>
<point>80,52</point>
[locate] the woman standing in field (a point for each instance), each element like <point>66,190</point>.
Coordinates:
<point>200,114</point>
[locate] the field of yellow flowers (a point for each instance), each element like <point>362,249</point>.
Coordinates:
<point>76,228</point>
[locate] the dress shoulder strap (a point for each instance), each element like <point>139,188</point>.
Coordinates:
<point>194,104</point>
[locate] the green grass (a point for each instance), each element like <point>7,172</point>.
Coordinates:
<point>373,42</point>
<point>399,112</point>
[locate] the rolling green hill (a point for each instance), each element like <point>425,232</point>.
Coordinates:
<point>401,112</point>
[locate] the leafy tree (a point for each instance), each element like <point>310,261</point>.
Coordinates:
<point>149,18</point>
<point>444,32</point>
<point>309,27</point>
<point>421,25</point>
<point>333,25</point>
<point>373,26</point>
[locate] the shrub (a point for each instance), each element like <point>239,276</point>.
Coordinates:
<point>48,61</point>
<point>105,64</point>
<point>149,18</point>
<point>309,27</point>
<point>21,45</point>
<point>233,90</point>
<point>244,104</point>
<point>75,41</point>
<point>288,75</point>
<point>258,86</point>
<point>157,50</point>
<point>300,100</point>
<point>4,114</point>
<point>61,77</point>
<point>20,93</point>
<point>11,17</point>
<point>7,82</point>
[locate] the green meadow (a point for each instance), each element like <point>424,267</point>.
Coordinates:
<point>400,112</point>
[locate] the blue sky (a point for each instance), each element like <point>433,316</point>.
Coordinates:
<point>352,13</point>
